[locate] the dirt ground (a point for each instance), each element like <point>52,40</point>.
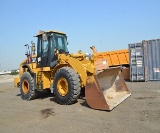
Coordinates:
<point>140,113</point>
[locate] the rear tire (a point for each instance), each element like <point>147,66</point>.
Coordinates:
<point>67,86</point>
<point>27,88</point>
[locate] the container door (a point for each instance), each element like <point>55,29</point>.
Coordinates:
<point>136,62</point>
<point>152,59</point>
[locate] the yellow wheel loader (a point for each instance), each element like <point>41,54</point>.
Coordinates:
<point>65,74</point>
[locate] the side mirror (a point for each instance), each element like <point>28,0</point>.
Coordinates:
<point>27,49</point>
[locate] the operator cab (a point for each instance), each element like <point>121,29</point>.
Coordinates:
<point>49,44</point>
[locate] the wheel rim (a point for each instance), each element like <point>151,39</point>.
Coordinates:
<point>25,86</point>
<point>62,86</point>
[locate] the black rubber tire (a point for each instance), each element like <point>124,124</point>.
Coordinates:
<point>32,92</point>
<point>73,86</point>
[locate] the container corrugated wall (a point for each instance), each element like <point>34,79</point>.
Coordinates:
<point>152,59</point>
<point>136,62</point>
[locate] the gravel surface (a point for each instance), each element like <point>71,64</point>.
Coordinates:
<point>140,113</point>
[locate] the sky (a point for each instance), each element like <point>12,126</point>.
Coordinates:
<point>107,24</point>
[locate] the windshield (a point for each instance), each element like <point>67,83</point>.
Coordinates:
<point>61,42</point>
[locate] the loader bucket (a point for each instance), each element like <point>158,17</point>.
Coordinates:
<point>106,90</point>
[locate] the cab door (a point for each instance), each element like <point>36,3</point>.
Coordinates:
<point>43,51</point>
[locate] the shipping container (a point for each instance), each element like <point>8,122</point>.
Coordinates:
<point>115,58</point>
<point>136,62</point>
<point>152,59</point>
<point>145,60</point>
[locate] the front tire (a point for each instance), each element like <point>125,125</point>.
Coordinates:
<point>67,86</point>
<point>27,88</point>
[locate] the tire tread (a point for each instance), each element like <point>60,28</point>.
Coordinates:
<point>73,77</point>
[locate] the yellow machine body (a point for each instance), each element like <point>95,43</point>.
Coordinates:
<point>104,88</point>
